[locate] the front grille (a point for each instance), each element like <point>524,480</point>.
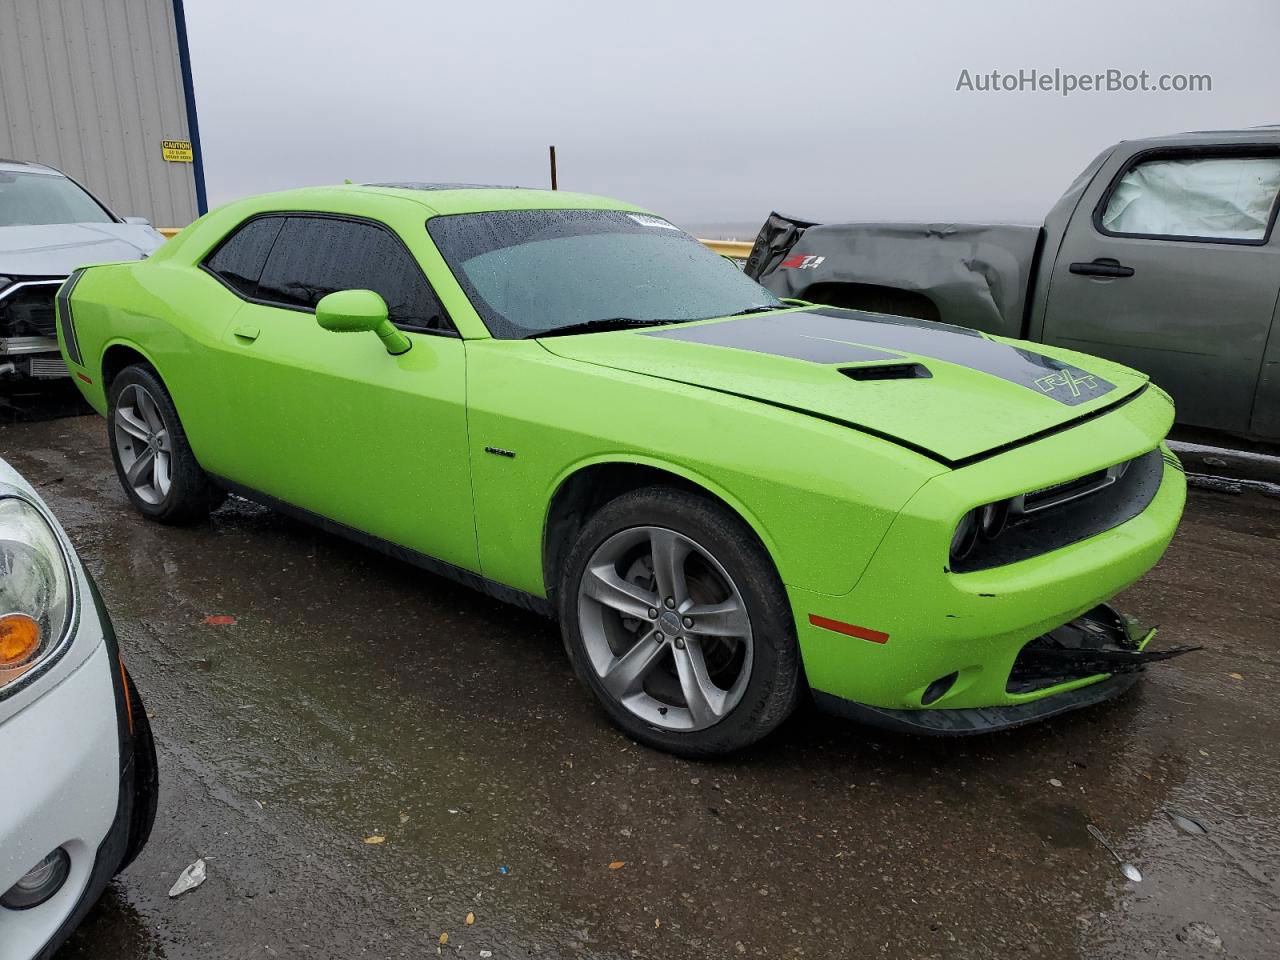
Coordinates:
<point>1062,492</point>
<point>26,308</point>
<point>1068,513</point>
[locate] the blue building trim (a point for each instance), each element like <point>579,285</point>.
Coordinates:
<point>189,94</point>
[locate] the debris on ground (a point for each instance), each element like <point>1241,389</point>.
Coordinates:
<point>1232,485</point>
<point>1192,826</point>
<point>219,620</point>
<point>617,865</point>
<point>444,938</point>
<point>1199,934</point>
<point>189,879</point>
<point>504,870</point>
<point>471,919</point>
<point>376,838</point>
<point>1128,869</point>
<point>1217,484</point>
<point>1187,824</point>
<point>1055,782</point>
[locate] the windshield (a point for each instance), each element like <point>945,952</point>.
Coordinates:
<point>27,199</point>
<point>528,272</point>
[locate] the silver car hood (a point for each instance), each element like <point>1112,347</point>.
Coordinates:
<point>55,249</point>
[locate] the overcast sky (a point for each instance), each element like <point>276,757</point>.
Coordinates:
<point>711,111</point>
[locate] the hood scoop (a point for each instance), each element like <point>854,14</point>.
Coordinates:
<point>888,371</point>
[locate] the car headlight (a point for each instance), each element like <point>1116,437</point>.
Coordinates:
<point>35,589</point>
<point>981,523</point>
<point>965,537</point>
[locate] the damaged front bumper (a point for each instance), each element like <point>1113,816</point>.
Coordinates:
<point>31,357</point>
<point>1100,643</point>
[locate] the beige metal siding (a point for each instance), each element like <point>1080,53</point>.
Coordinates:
<point>92,87</point>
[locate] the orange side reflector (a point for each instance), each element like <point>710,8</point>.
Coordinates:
<point>128,700</point>
<point>19,639</point>
<point>849,629</point>
<point>83,377</point>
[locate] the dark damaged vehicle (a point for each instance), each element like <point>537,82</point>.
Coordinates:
<point>1162,255</point>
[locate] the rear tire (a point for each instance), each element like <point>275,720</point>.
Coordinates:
<point>675,618</point>
<point>154,462</point>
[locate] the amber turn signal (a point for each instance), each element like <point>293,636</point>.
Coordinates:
<point>19,639</point>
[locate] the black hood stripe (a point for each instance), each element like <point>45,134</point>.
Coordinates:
<point>750,333</point>
<point>828,335</point>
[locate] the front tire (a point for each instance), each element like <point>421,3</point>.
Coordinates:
<point>675,618</point>
<point>157,470</point>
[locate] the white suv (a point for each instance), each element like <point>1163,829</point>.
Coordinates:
<point>49,225</point>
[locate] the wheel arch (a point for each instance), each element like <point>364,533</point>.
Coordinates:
<point>587,486</point>
<point>876,298</point>
<point>120,354</point>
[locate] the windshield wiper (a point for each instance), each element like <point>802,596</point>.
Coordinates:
<point>767,308</point>
<point>595,326</point>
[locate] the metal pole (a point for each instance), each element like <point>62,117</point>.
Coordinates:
<point>554,185</point>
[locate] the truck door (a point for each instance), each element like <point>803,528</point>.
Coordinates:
<point>1170,265</point>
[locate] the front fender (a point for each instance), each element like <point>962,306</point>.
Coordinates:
<point>819,496</point>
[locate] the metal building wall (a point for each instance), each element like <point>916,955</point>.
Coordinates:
<point>92,87</point>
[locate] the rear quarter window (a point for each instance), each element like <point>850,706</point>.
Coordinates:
<point>239,260</point>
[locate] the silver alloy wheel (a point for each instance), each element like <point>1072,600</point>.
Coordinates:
<point>143,445</point>
<point>665,628</point>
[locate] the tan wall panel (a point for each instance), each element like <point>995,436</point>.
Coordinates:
<point>92,87</point>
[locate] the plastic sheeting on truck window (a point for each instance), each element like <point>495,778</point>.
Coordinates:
<point>1227,197</point>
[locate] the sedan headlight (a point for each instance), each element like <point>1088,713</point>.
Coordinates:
<point>35,589</point>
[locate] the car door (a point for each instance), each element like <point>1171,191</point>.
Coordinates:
<point>1170,265</point>
<point>332,423</point>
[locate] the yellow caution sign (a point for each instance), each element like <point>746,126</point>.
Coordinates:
<point>177,151</point>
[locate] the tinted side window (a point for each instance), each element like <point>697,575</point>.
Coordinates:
<point>240,259</point>
<point>315,256</point>
<point>1228,198</point>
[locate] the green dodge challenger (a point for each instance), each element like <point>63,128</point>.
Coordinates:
<point>729,501</point>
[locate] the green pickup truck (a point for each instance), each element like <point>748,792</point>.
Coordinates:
<point>1162,255</point>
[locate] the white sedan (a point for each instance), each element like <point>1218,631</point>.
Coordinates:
<point>78,783</point>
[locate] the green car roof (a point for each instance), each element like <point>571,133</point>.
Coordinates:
<point>445,199</point>
<point>461,198</point>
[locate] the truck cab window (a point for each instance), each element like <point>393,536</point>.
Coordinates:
<point>1223,198</point>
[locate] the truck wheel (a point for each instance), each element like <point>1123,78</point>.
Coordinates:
<point>674,617</point>
<point>154,462</point>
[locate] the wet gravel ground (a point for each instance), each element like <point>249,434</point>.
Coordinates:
<point>356,697</point>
